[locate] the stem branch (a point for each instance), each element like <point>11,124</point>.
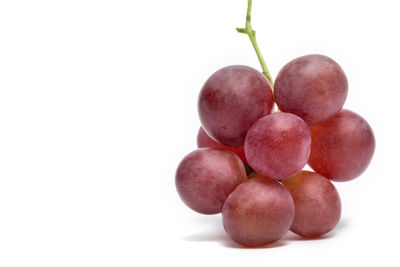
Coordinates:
<point>252,35</point>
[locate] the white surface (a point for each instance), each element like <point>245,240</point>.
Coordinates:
<point>98,106</point>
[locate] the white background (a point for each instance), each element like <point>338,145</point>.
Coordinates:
<point>98,106</point>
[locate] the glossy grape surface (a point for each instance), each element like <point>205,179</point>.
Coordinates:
<point>342,147</point>
<point>278,145</point>
<point>317,204</point>
<point>231,100</point>
<point>203,140</point>
<point>258,212</point>
<point>313,87</point>
<point>206,177</point>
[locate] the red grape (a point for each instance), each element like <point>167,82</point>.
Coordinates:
<point>317,204</point>
<point>203,140</point>
<point>258,212</point>
<point>206,177</point>
<point>342,147</point>
<point>231,100</point>
<point>313,87</point>
<point>278,145</point>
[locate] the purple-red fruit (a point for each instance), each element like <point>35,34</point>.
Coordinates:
<point>231,100</point>
<point>206,177</point>
<point>203,140</point>
<point>258,212</point>
<point>313,87</point>
<point>342,147</point>
<point>317,204</point>
<point>278,145</point>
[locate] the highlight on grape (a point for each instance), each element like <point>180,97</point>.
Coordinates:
<point>250,157</point>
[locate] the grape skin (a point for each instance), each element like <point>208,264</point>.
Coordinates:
<point>258,212</point>
<point>313,87</point>
<point>342,147</point>
<point>317,204</point>
<point>206,177</point>
<point>203,140</point>
<point>278,145</point>
<point>231,100</point>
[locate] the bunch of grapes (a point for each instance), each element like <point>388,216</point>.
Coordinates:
<point>250,160</point>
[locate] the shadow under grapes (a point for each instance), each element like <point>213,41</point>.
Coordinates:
<point>217,234</point>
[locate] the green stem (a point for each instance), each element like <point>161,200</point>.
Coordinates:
<point>252,35</point>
